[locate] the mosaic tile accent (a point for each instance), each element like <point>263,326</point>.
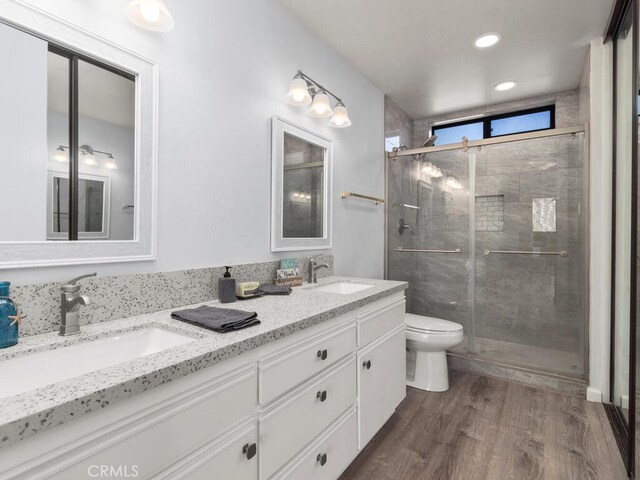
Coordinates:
<point>128,295</point>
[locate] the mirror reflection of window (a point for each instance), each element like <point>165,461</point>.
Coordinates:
<point>303,188</point>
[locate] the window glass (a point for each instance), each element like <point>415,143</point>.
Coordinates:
<point>521,123</point>
<point>473,131</point>
<point>391,142</point>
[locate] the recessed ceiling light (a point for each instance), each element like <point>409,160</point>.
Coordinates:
<point>487,40</point>
<point>501,87</point>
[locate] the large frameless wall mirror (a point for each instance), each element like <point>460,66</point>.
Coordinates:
<point>301,189</point>
<point>78,129</point>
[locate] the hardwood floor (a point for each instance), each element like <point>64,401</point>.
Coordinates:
<point>489,429</point>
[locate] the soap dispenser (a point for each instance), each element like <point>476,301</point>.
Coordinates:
<point>227,287</point>
<point>9,318</point>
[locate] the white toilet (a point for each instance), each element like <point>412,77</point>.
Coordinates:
<point>428,339</point>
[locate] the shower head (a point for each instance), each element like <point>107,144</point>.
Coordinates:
<point>429,142</point>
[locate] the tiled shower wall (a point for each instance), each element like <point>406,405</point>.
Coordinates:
<point>128,295</point>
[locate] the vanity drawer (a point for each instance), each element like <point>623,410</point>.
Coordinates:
<point>328,456</point>
<point>376,322</point>
<point>160,435</point>
<point>284,370</point>
<point>289,425</point>
<point>230,457</point>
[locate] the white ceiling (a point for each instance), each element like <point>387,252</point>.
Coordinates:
<point>102,95</point>
<point>420,52</point>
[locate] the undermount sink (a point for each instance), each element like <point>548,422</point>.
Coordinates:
<point>343,288</point>
<point>35,370</point>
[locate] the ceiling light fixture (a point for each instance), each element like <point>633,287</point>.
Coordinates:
<point>504,86</point>
<point>150,14</point>
<point>487,40</point>
<point>303,89</point>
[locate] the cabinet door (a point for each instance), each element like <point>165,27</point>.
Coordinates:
<point>381,382</point>
<point>233,457</point>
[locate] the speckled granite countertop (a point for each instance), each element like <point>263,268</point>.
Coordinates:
<point>31,412</point>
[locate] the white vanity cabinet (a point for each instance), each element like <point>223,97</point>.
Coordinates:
<point>300,407</point>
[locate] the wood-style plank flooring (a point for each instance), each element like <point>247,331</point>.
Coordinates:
<point>489,429</point>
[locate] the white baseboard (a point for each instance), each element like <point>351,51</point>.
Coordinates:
<point>594,394</point>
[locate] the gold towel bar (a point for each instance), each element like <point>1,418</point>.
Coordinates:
<point>375,200</point>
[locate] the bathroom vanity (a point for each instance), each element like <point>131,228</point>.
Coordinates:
<point>297,396</point>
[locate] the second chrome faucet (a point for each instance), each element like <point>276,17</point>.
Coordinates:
<point>313,267</point>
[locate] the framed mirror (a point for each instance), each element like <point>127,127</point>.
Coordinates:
<point>78,130</point>
<point>301,188</point>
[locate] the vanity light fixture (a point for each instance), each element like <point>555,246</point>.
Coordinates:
<point>303,90</point>
<point>150,14</point>
<point>61,155</point>
<point>503,86</point>
<point>487,40</point>
<point>88,154</point>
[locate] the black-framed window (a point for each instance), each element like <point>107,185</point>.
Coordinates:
<point>530,120</point>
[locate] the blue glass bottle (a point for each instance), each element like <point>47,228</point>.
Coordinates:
<point>8,332</point>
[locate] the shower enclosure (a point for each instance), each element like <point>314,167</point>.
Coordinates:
<point>494,237</point>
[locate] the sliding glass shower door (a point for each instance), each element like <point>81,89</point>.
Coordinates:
<point>494,239</point>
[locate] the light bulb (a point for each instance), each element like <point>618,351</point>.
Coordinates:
<point>111,163</point>
<point>320,107</point>
<point>89,159</point>
<point>298,92</point>
<point>61,155</point>
<point>150,14</point>
<point>340,117</point>
<point>150,11</point>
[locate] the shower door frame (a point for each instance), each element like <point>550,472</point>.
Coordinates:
<point>466,146</point>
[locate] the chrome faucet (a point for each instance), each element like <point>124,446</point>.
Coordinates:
<point>313,267</point>
<point>71,301</point>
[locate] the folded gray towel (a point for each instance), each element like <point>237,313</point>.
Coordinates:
<point>217,319</point>
<point>268,289</point>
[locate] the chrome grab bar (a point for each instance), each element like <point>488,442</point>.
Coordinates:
<point>420,250</point>
<point>486,252</point>
<point>375,200</point>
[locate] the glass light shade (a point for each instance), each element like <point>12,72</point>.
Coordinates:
<point>298,92</point>
<point>150,14</point>
<point>340,117</point>
<point>61,155</point>
<point>89,159</point>
<point>453,183</point>
<point>111,163</point>
<point>320,107</point>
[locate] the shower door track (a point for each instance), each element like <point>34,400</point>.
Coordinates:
<point>488,141</point>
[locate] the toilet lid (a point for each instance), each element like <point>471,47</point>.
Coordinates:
<point>430,324</point>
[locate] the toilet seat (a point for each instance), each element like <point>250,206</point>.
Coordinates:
<point>423,324</point>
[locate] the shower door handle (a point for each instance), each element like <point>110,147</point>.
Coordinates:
<point>487,252</point>
<point>420,250</point>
